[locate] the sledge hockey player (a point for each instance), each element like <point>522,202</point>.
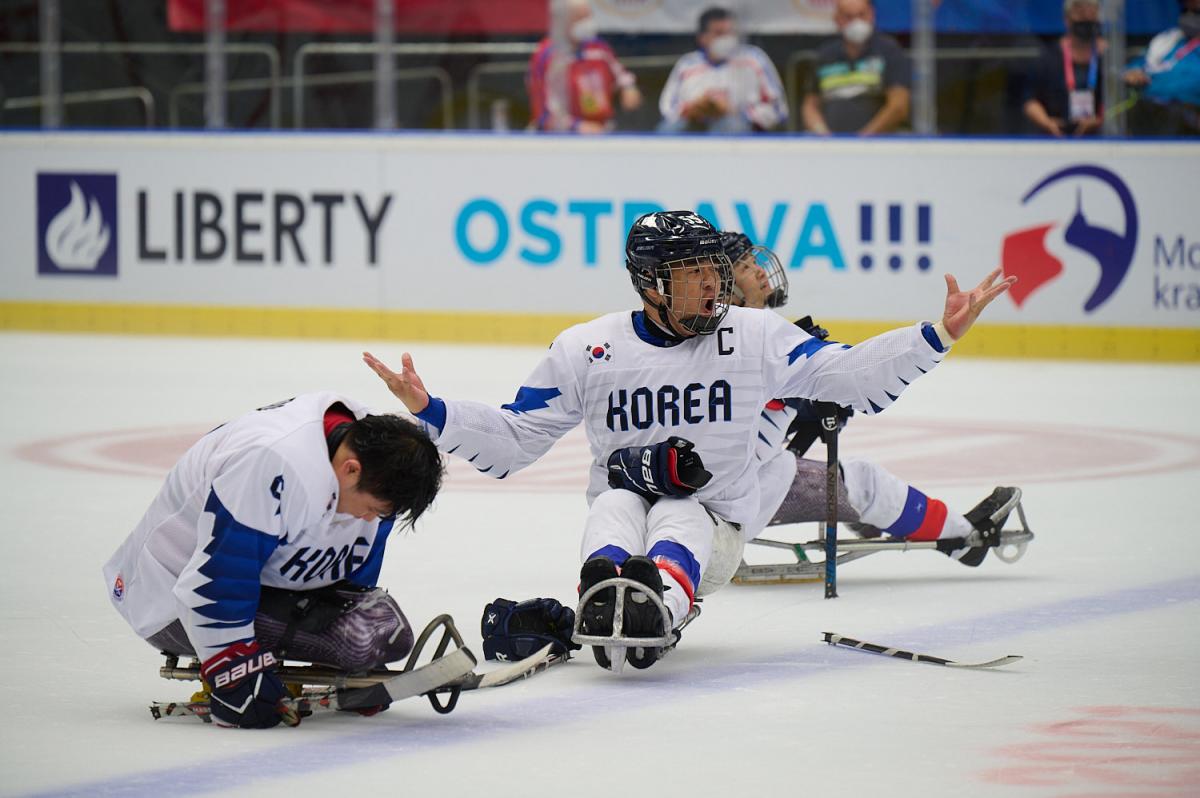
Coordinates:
<point>670,396</point>
<point>871,500</point>
<point>266,541</point>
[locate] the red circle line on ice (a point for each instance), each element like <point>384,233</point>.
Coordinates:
<point>926,452</point>
<point>1150,751</point>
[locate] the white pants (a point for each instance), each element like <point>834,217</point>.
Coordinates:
<point>624,519</point>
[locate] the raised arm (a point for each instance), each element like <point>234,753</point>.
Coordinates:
<point>497,441</point>
<point>873,374</point>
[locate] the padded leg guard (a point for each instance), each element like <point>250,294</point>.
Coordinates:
<point>346,627</point>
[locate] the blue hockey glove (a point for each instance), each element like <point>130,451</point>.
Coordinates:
<point>246,692</point>
<point>513,631</point>
<point>670,468</point>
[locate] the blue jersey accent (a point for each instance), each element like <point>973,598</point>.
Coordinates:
<point>874,407</point>
<point>434,413</point>
<point>807,349</point>
<point>236,556</point>
<point>769,420</point>
<point>932,338</point>
<point>911,516</point>
<point>614,553</point>
<point>531,399</point>
<point>367,574</point>
<point>676,553</point>
<point>642,329</point>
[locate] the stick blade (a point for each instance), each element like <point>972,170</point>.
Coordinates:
<point>835,639</point>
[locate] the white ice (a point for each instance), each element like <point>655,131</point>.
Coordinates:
<point>1104,607</point>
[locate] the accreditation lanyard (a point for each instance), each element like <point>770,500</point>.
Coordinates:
<point>1069,68</point>
<point>1081,102</point>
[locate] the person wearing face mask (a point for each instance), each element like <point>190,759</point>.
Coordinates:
<point>573,75</point>
<point>1067,88</point>
<point>1168,79</point>
<point>861,81</point>
<point>726,86</point>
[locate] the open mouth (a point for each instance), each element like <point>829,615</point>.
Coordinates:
<point>708,306</point>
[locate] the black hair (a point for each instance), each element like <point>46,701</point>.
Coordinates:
<point>713,14</point>
<point>400,464</point>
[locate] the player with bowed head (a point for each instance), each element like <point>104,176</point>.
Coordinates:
<point>267,539</point>
<point>670,397</point>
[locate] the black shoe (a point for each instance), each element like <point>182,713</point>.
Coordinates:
<point>642,617</point>
<point>596,618</point>
<point>988,518</point>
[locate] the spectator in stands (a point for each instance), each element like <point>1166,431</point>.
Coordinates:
<point>573,75</point>
<point>1066,90</point>
<point>726,86</point>
<point>1168,76</point>
<point>861,81</point>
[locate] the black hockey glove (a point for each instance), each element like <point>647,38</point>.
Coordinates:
<point>812,328</point>
<point>806,427</point>
<point>246,692</point>
<point>513,631</point>
<point>670,468</point>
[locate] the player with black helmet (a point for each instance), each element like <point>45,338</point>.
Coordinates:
<point>670,397</point>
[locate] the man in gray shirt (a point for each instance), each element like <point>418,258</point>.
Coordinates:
<point>861,80</point>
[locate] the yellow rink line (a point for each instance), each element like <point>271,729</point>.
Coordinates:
<point>1158,344</point>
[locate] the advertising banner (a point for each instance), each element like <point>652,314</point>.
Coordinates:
<point>1098,234</point>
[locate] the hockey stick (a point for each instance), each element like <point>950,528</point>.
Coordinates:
<point>313,701</point>
<point>440,673</point>
<point>839,640</point>
<point>829,422</point>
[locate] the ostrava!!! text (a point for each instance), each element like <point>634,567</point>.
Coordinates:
<point>254,227</point>
<point>1170,262</point>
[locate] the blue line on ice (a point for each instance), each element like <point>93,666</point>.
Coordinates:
<point>381,742</point>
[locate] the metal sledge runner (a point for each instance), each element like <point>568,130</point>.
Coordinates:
<point>1009,548</point>
<point>322,688</point>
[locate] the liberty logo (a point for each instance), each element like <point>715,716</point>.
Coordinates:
<point>1024,252</point>
<point>77,224</point>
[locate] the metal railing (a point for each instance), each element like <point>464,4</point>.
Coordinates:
<point>795,91</point>
<point>154,48</point>
<point>174,113</point>
<point>98,96</point>
<point>306,51</point>
<point>398,76</point>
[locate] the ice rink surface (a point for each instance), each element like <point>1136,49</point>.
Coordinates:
<point>1105,606</point>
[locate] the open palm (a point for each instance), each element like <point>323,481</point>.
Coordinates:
<point>963,307</point>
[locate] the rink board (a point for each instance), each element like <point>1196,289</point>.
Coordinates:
<point>486,238</point>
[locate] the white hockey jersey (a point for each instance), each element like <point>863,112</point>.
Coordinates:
<point>748,80</point>
<point>251,503</point>
<point>632,389</point>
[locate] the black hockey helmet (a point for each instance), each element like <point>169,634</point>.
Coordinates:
<point>665,241</point>
<point>735,244</point>
<point>738,246</point>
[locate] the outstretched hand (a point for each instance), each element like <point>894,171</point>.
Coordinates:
<point>963,307</point>
<point>405,386</point>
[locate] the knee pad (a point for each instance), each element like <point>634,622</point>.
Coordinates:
<point>347,627</point>
<point>728,545</point>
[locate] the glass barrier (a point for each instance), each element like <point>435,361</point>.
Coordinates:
<point>988,67</point>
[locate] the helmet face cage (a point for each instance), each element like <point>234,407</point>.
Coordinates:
<point>759,279</point>
<point>696,291</point>
<point>777,279</point>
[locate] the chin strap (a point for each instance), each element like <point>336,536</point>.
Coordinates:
<point>664,330</point>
